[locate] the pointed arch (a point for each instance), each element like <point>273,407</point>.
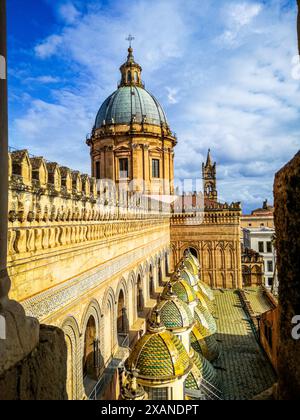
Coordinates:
<point>72,336</point>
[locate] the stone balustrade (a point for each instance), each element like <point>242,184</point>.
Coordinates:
<point>230,215</point>
<point>44,191</point>
<point>52,206</point>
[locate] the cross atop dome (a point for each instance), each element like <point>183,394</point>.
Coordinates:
<point>130,38</point>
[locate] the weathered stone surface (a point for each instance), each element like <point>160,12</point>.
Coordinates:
<point>42,375</point>
<point>21,334</point>
<point>287,222</point>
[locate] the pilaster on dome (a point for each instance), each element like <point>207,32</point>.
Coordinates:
<point>131,72</point>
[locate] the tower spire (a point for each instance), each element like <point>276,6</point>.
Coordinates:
<point>209,161</point>
<point>209,173</point>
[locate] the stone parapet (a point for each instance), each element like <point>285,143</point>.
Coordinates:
<point>230,215</point>
<point>51,206</point>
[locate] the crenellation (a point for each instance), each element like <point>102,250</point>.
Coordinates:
<point>54,178</point>
<point>86,187</point>
<point>39,172</point>
<point>66,180</point>
<point>21,166</point>
<point>77,183</point>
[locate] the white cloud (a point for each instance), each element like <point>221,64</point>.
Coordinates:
<point>49,46</point>
<point>69,13</point>
<point>243,13</point>
<point>44,79</point>
<point>238,16</point>
<point>172,95</point>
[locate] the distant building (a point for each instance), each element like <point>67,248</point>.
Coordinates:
<point>252,268</point>
<point>261,240</point>
<point>259,218</point>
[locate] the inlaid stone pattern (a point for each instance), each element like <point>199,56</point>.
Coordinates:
<point>50,301</point>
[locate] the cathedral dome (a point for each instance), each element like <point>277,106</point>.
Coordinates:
<point>159,354</point>
<point>131,104</point>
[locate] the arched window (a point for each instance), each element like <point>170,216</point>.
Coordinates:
<point>140,295</point>
<point>193,251</point>
<point>167,264</point>
<point>136,77</point>
<point>160,274</point>
<point>129,79</point>
<point>122,320</point>
<point>151,282</point>
<point>91,349</point>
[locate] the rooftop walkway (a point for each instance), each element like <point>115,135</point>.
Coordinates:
<point>258,301</point>
<point>244,369</point>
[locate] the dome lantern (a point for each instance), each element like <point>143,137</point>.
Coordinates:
<point>131,72</point>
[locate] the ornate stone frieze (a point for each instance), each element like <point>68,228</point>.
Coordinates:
<point>50,301</point>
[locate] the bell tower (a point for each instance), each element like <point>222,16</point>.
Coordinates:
<point>209,173</point>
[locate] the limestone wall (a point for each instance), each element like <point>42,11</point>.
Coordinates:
<point>287,222</point>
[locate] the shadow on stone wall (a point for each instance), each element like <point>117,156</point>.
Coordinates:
<point>287,223</point>
<point>43,374</point>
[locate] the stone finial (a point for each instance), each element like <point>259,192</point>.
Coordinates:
<point>177,275</point>
<point>130,389</point>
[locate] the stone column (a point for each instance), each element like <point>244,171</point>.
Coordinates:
<point>4,280</point>
<point>287,223</point>
<point>298,25</point>
<point>18,335</point>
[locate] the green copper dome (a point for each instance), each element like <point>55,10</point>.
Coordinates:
<point>131,104</point>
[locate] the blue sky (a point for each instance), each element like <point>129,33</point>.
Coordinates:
<point>222,70</point>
